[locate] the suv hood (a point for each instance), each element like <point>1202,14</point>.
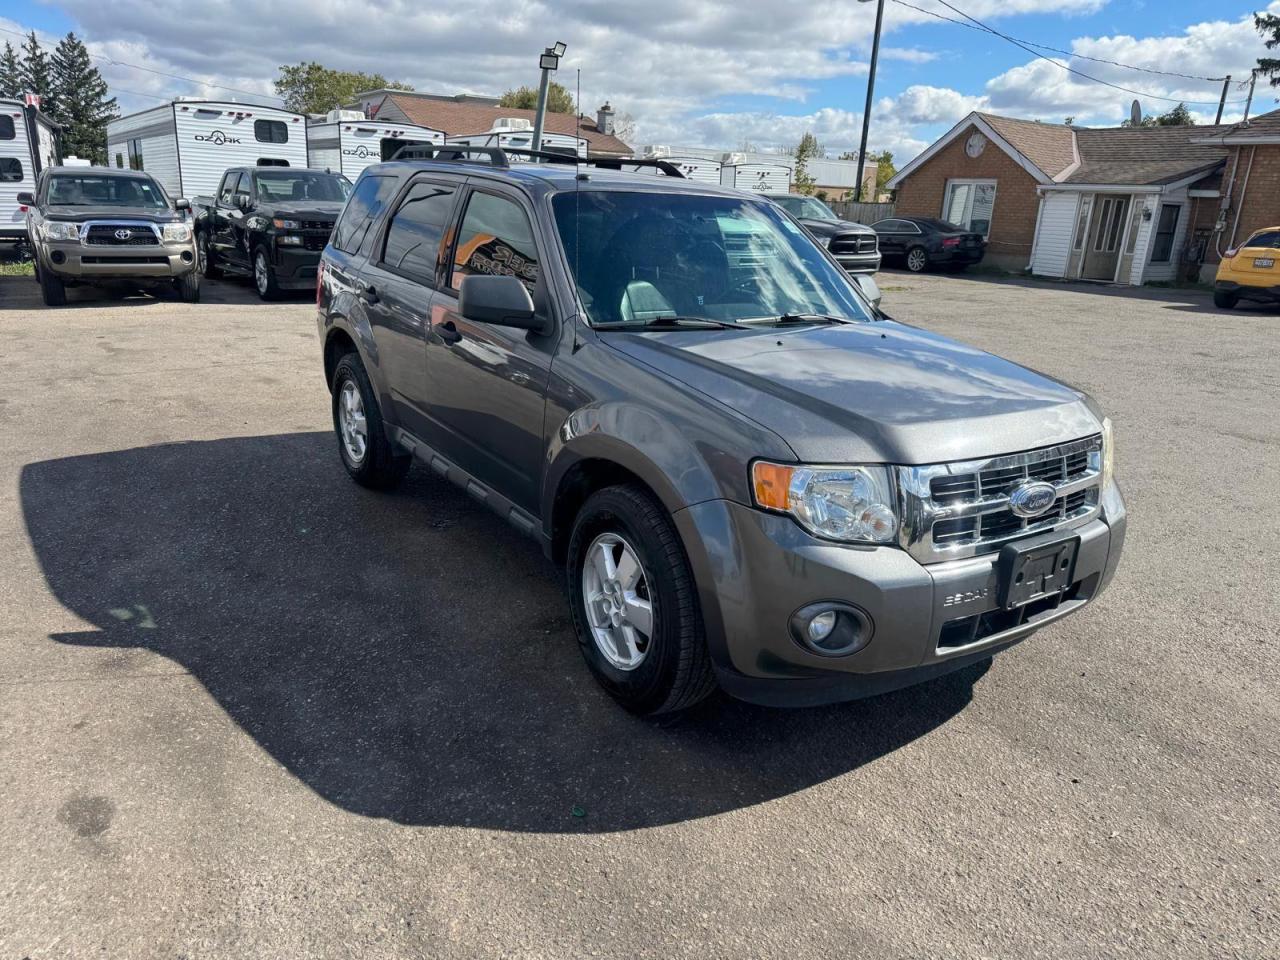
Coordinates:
<point>879,392</point>
<point>830,228</point>
<point>109,212</point>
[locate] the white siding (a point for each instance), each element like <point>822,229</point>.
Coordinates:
<point>1167,270</point>
<point>212,136</point>
<point>48,144</point>
<point>12,220</point>
<point>693,168</point>
<point>1054,236</point>
<point>154,131</point>
<point>1142,249</point>
<point>520,140</point>
<point>757,177</point>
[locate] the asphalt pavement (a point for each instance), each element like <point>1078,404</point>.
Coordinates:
<point>248,709</point>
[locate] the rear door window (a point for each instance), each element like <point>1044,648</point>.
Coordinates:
<point>416,229</point>
<point>367,200</point>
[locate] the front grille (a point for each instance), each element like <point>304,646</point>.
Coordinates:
<point>125,260</point>
<point>104,235</point>
<point>325,225</point>
<point>962,509</point>
<point>854,244</point>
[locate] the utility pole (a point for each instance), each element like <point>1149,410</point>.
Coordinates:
<point>871,89</point>
<point>1222,101</point>
<point>548,63</point>
<point>1253,78</point>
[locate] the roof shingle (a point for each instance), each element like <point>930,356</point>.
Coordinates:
<point>1047,145</point>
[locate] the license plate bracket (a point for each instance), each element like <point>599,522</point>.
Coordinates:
<point>1035,568</point>
<point>1264,262</point>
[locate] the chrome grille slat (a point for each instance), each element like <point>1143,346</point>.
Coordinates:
<point>955,510</point>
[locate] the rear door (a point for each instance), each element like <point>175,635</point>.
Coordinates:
<point>402,274</point>
<point>892,236</point>
<point>1258,258</point>
<point>487,384</point>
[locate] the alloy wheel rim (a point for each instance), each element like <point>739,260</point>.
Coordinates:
<point>352,422</point>
<point>915,260</point>
<point>615,591</point>
<point>260,272</point>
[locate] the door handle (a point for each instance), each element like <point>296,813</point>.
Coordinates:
<point>448,332</point>
<point>368,293</point>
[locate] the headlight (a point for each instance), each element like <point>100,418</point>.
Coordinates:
<point>1108,452</point>
<point>851,504</point>
<point>286,224</point>
<point>57,230</point>
<point>289,241</point>
<point>177,232</point>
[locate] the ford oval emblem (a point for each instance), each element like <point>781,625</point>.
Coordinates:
<point>1032,498</point>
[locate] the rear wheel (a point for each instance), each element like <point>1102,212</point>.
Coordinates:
<point>366,452</point>
<point>188,286</point>
<point>264,275</point>
<point>635,610</point>
<point>1225,299</point>
<point>52,290</point>
<point>917,259</point>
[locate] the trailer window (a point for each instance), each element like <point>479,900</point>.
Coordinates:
<point>271,131</point>
<point>7,131</point>
<point>135,154</point>
<point>367,200</point>
<point>10,170</point>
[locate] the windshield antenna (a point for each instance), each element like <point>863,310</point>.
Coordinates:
<point>577,207</point>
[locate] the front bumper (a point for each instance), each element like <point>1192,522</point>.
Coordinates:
<point>754,570</point>
<point>859,262</point>
<point>82,261</point>
<point>1245,291</point>
<point>295,266</point>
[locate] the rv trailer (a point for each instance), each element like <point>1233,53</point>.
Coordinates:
<point>754,176</point>
<point>28,144</point>
<point>701,169</point>
<point>346,142</point>
<point>188,144</point>
<point>513,133</point>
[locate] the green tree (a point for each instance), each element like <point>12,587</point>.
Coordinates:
<point>315,88</point>
<point>83,104</point>
<point>36,75</point>
<point>807,149</point>
<point>559,100</point>
<point>884,171</point>
<point>10,72</point>
<point>1179,116</point>
<point>1268,25</point>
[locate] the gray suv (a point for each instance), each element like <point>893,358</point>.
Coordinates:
<point>753,479</point>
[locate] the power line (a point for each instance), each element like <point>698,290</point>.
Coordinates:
<point>1026,45</point>
<point>160,73</point>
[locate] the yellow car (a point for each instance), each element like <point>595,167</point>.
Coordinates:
<point>1249,271</point>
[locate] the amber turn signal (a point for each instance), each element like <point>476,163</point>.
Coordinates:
<point>771,482</point>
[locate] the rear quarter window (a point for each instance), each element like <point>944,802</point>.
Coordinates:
<point>358,216</point>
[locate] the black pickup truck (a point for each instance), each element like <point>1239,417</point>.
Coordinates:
<point>270,223</point>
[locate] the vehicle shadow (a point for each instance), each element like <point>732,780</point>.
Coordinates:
<point>406,655</point>
<point>23,293</point>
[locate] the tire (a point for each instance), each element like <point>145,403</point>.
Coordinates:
<point>376,464</point>
<point>917,259</point>
<point>52,289</point>
<point>205,261</point>
<point>188,286</point>
<point>1225,299</point>
<point>264,275</point>
<point>672,669</point>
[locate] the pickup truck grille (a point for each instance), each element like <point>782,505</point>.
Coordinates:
<point>962,509</point>
<point>854,244</point>
<point>104,235</point>
<point>325,225</point>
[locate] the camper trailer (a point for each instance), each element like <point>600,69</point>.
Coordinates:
<point>28,144</point>
<point>701,169</point>
<point>346,142</point>
<point>187,144</point>
<point>754,176</point>
<point>516,133</point>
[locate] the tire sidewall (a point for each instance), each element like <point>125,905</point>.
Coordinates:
<point>644,688</point>
<point>270,292</point>
<point>349,371</point>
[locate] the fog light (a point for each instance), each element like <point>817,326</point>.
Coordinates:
<point>820,627</point>
<point>58,256</point>
<point>186,256</point>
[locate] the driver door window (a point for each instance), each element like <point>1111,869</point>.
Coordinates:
<point>495,240</point>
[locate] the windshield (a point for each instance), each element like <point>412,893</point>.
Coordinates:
<point>302,185</point>
<point>90,190</point>
<point>644,256</point>
<point>805,208</point>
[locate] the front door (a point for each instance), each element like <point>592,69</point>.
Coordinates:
<point>486,384</point>
<point>1106,234</point>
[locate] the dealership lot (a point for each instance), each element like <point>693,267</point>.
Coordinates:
<point>249,709</point>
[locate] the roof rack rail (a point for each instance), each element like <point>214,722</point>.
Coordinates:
<point>606,163</point>
<point>450,151</point>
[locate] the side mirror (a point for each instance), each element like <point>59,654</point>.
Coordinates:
<point>502,301</point>
<point>243,201</point>
<point>182,203</point>
<point>27,198</point>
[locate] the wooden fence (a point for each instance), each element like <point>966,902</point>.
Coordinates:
<point>861,212</point>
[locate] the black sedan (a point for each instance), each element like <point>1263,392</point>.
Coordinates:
<point>922,242</point>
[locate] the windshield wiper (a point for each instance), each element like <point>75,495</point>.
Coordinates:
<point>673,323</point>
<point>789,319</point>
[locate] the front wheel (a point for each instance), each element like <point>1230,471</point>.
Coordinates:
<point>634,607</point>
<point>368,455</point>
<point>52,290</point>
<point>188,286</point>
<point>1225,299</point>
<point>264,276</point>
<point>917,259</point>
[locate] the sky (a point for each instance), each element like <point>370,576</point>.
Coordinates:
<point>716,73</point>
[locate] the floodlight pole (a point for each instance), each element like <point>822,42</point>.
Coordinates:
<point>871,89</point>
<point>548,62</point>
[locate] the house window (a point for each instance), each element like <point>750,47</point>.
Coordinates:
<point>1111,219</point>
<point>1165,229</point>
<point>120,160</point>
<point>135,154</point>
<point>270,131</point>
<point>969,204</point>
<point>7,129</point>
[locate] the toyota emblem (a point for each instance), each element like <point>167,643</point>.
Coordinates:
<point>123,234</point>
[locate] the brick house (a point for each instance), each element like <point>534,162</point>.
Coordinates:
<point>1118,205</point>
<point>466,115</point>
